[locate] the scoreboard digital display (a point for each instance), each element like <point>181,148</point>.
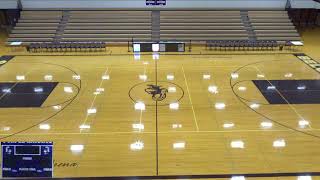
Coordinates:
<point>156,2</point>
<point>27,159</point>
<point>159,47</point>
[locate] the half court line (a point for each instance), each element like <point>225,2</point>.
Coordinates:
<point>157,131</point>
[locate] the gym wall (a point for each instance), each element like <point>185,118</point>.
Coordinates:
<point>171,4</point>
<point>8,4</point>
<point>141,4</point>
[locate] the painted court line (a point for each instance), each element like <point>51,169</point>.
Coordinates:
<point>194,114</point>
<point>95,97</point>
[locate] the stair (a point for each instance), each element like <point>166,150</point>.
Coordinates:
<point>61,26</point>
<point>155,31</point>
<point>247,24</point>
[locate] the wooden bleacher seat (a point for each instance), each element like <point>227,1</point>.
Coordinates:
<point>109,20</point>
<point>221,34</point>
<point>106,28</point>
<point>31,35</point>
<point>280,38</point>
<point>277,31</point>
<point>39,20</point>
<point>204,27</point>
<point>35,28</point>
<point>29,39</point>
<point>203,31</point>
<point>113,12</point>
<point>275,20</point>
<point>201,20</point>
<point>26,31</point>
<point>202,24</point>
<point>187,39</point>
<point>123,31</point>
<point>106,35</point>
<point>133,24</point>
<point>200,17</point>
<point>278,34</point>
<point>103,39</point>
<point>37,24</point>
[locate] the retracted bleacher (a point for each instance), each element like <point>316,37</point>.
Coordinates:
<point>273,25</point>
<point>201,26</point>
<point>108,26</point>
<point>124,26</point>
<point>36,26</point>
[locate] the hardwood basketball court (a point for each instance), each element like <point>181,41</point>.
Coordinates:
<point>218,123</point>
<point>160,89</point>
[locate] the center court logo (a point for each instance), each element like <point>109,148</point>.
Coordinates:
<point>158,93</point>
<point>152,93</point>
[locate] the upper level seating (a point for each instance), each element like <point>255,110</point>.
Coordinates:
<point>273,25</point>
<point>112,26</point>
<point>201,25</point>
<point>36,26</point>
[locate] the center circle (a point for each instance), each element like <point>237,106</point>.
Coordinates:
<point>150,92</point>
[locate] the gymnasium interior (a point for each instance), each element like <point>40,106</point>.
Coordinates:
<point>160,89</point>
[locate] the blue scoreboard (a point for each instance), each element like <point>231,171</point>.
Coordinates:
<point>156,2</point>
<point>27,159</point>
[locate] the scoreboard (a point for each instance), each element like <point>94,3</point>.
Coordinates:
<point>156,2</point>
<point>158,47</point>
<point>27,159</point>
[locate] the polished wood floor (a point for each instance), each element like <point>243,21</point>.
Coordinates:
<point>197,124</point>
<point>212,132</point>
